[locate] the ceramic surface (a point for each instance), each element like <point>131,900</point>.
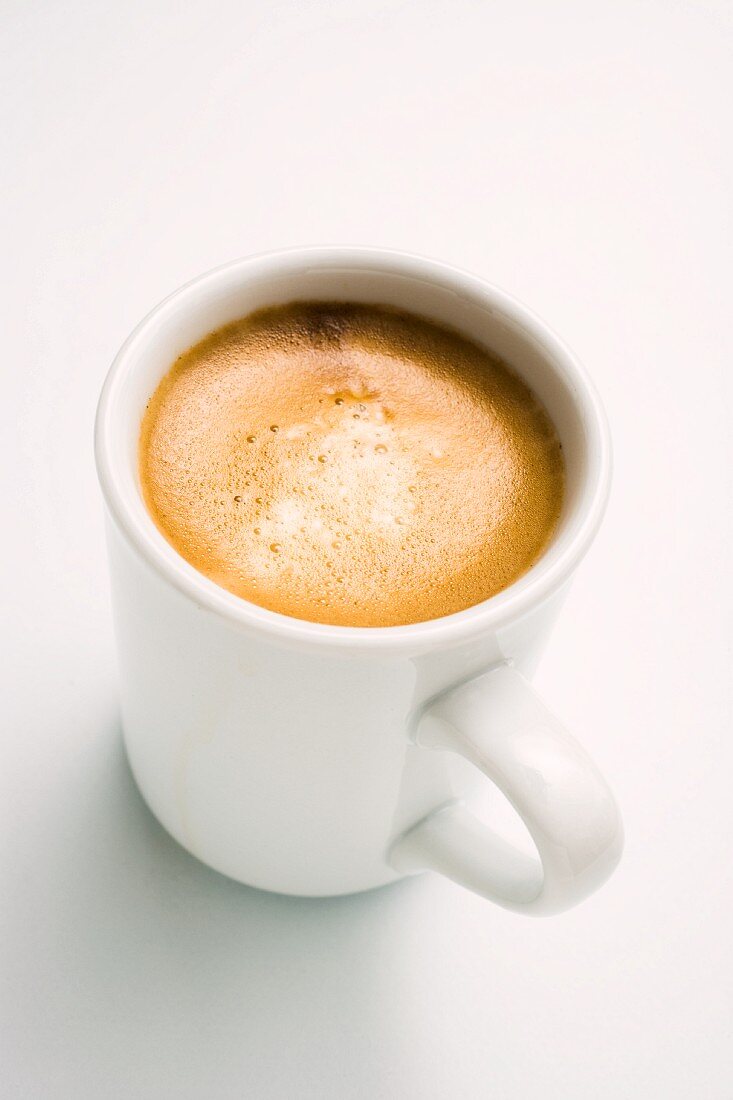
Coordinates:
<point>313,759</point>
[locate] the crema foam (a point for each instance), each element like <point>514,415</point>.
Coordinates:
<point>351,465</point>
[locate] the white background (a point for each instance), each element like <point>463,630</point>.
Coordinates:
<point>577,154</point>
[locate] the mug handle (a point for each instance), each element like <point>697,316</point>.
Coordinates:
<point>500,724</point>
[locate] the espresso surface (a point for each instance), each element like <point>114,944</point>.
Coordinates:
<point>351,465</point>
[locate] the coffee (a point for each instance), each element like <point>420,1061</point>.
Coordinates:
<point>350,464</point>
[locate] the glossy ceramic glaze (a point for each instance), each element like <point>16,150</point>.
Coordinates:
<point>314,759</point>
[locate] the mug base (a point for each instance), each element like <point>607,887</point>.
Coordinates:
<point>325,886</point>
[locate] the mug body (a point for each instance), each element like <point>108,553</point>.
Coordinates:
<point>281,752</point>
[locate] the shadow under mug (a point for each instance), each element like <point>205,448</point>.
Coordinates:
<point>313,759</point>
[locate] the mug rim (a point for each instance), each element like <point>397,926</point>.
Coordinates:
<point>546,576</point>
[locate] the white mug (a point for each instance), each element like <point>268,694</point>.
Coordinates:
<point>312,759</point>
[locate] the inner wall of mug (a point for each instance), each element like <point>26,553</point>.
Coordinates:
<point>440,294</point>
